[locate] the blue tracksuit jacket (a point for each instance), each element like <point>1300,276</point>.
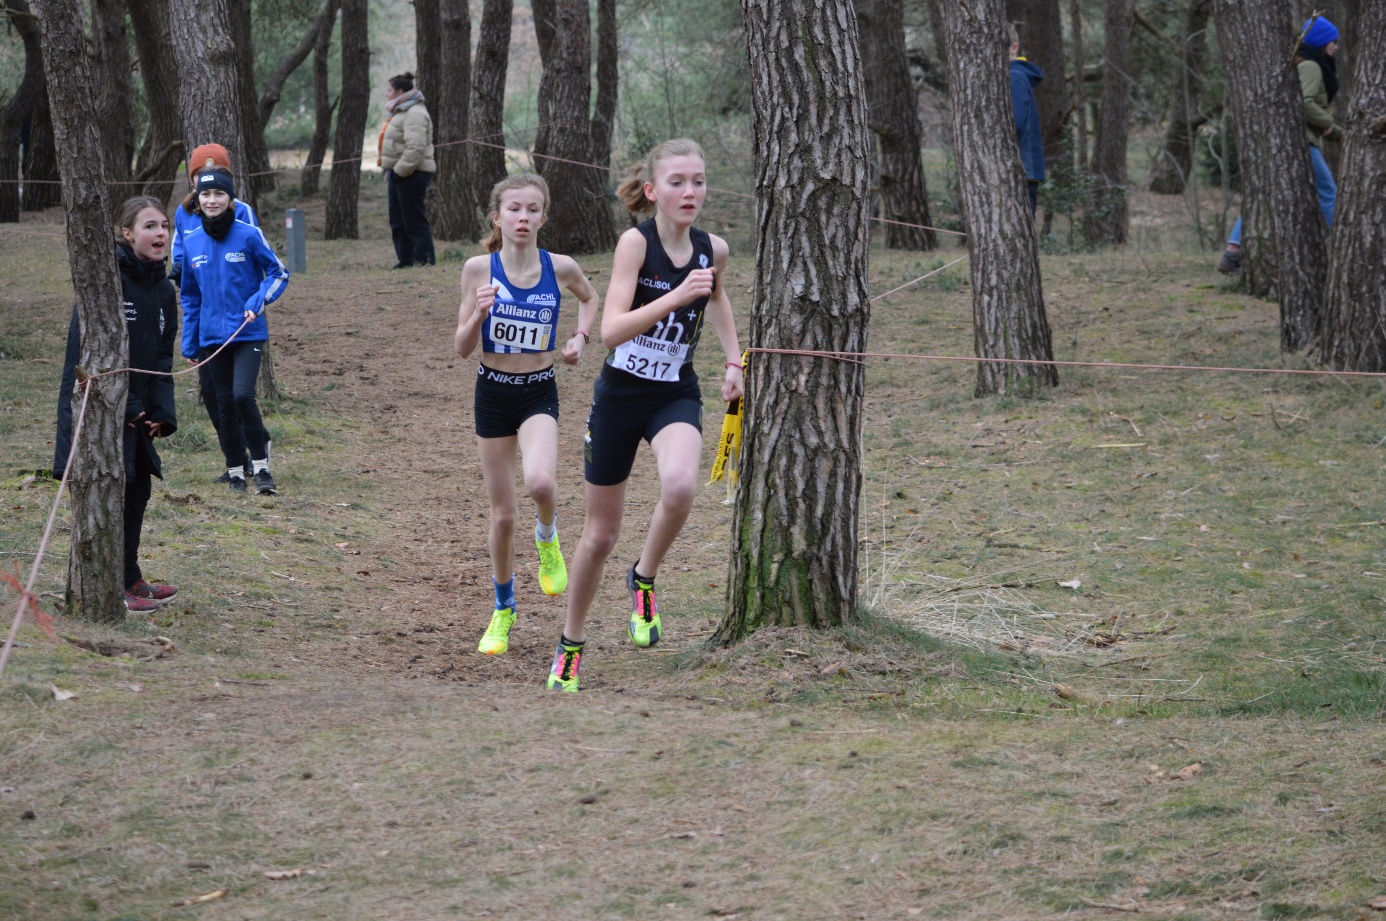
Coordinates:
<point>222,279</point>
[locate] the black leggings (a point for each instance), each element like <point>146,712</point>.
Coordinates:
<point>138,489</point>
<point>233,374</point>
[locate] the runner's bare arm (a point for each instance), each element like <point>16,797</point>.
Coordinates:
<point>719,313</point>
<point>477,298</point>
<point>619,322</point>
<point>570,276</point>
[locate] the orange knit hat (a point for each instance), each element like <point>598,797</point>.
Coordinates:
<point>208,155</point>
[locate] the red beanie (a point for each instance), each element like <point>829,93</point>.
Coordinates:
<point>208,155</point>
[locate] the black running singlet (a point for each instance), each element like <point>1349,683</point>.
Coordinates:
<point>661,352</point>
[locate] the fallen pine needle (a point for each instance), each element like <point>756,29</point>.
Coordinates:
<point>199,899</point>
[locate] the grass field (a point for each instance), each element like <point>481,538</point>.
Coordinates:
<point>1190,726</point>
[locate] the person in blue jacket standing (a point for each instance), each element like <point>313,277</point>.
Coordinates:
<point>1024,78</point>
<point>186,219</point>
<point>230,274</point>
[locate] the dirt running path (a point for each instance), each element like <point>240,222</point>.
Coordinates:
<point>386,354</point>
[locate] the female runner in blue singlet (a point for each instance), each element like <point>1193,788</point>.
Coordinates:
<point>510,304</point>
<point>664,284</point>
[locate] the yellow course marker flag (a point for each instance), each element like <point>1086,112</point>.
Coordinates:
<point>729,445</point>
<point>726,462</point>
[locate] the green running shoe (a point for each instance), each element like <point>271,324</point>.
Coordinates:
<point>553,575</point>
<point>644,625</point>
<point>564,674</point>
<point>496,639</point>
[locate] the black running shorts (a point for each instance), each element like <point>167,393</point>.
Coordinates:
<point>626,409</point>
<point>505,401</point>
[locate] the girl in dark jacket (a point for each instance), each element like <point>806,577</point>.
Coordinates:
<point>151,319</point>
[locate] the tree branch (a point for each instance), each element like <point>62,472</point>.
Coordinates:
<point>275,85</point>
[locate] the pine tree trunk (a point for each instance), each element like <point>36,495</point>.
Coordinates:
<point>162,149</point>
<point>1283,236</point>
<point>322,104</point>
<point>545,14</point>
<point>42,187</point>
<point>1008,315</point>
<point>1080,99</point>
<point>1172,170</point>
<point>1041,29</point>
<point>96,571</point>
<point>1108,213</point>
<point>454,218</point>
<point>345,185</point>
<point>200,31</point>
<point>428,68</point>
<point>1354,327</point>
<point>111,67</point>
<point>893,116</point>
<point>257,155</point>
<point>20,106</point>
<point>579,221</point>
<point>488,100</point>
<point>794,534</point>
<point>608,84</point>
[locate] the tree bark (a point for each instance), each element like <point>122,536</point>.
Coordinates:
<point>43,184</point>
<point>274,87</point>
<point>200,31</point>
<point>322,105</point>
<point>96,571</point>
<point>608,84</point>
<point>488,100</point>
<point>111,68</point>
<point>257,155</point>
<point>20,107</point>
<point>1283,248</point>
<point>1042,42</point>
<point>794,533</point>
<point>1354,327</point>
<point>580,221</point>
<point>345,185</point>
<point>1171,171</point>
<point>940,34</point>
<point>545,14</point>
<point>893,116</point>
<point>428,70</point>
<point>455,218</point>
<point>1080,102</point>
<point>1108,213</point>
<point>1008,315</point>
<point>162,149</point>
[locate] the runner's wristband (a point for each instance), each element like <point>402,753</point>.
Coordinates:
<point>583,334</point>
<point>736,364</point>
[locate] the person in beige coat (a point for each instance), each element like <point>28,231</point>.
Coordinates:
<point>406,154</point>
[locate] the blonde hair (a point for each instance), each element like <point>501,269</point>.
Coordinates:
<point>510,184</point>
<point>631,191</point>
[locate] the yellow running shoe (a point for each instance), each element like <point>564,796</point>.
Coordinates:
<point>644,628</point>
<point>496,639</point>
<point>553,574</point>
<point>564,674</point>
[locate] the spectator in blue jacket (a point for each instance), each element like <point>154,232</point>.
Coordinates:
<point>1024,78</point>
<point>229,275</point>
<point>186,219</point>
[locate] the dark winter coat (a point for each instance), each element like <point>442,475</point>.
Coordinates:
<point>151,319</point>
<point>1024,78</point>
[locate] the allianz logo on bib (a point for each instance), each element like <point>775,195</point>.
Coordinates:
<point>235,257</point>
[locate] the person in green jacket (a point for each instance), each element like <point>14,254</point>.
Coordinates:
<point>1318,83</point>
